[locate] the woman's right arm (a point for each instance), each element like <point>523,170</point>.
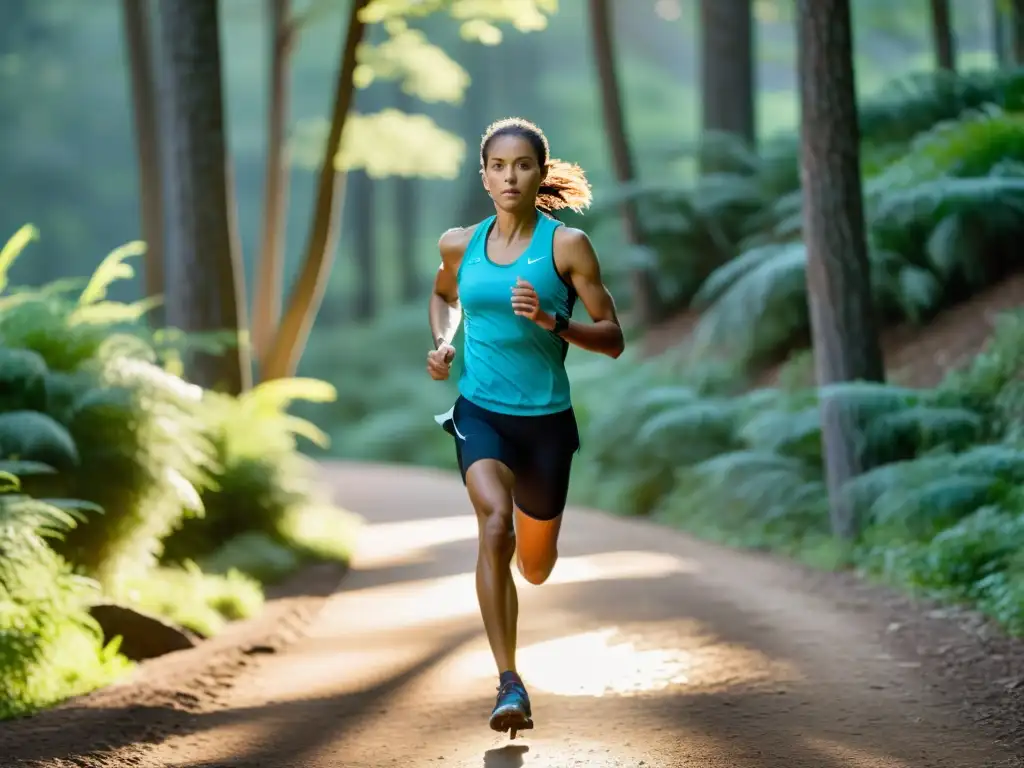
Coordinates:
<point>445,311</point>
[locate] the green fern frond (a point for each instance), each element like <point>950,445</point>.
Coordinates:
<point>918,513</point>
<point>687,433</point>
<point>907,433</point>
<point>34,436</point>
<point>275,396</point>
<point>21,468</point>
<point>761,309</point>
<point>13,248</point>
<point>793,434</point>
<point>108,313</point>
<point>725,277</point>
<point>111,269</point>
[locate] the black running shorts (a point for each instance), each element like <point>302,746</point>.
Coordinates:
<point>538,450</point>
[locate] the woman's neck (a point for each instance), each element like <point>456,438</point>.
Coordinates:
<point>510,226</point>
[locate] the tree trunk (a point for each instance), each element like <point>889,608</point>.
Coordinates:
<point>266,311</point>
<point>645,297</point>
<point>363,200</point>
<point>843,324</point>
<point>204,266</point>
<point>138,41</point>
<point>942,33</point>
<point>282,358</point>
<point>407,218</point>
<point>1000,35</point>
<point>1017,31</point>
<point>727,69</point>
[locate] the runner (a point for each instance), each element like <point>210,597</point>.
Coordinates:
<point>515,278</point>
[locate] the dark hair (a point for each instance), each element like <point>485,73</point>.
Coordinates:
<point>564,186</point>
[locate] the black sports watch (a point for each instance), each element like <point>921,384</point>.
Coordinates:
<point>561,323</point>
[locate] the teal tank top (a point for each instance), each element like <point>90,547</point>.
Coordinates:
<point>510,364</point>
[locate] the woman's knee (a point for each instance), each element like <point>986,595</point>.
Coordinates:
<point>537,546</point>
<point>536,569</point>
<point>497,536</point>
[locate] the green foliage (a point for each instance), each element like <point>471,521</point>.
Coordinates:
<point>50,648</point>
<point>940,506</point>
<point>262,488</point>
<point>423,70</point>
<point>185,595</point>
<point>943,163</point>
<point>107,457</point>
<point>385,411</point>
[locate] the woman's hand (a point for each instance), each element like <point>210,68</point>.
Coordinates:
<point>526,303</point>
<point>439,362</point>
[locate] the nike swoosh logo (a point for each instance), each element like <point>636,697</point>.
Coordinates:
<point>534,261</point>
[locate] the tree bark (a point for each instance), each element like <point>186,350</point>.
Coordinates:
<point>138,42</point>
<point>266,312</point>
<point>843,323</point>
<point>204,267</point>
<point>727,73</point>
<point>999,35</point>
<point>282,358</point>
<point>645,297</point>
<point>407,215</point>
<point>364,230</point>
<point>942,33</point>
<point>1017,31</point>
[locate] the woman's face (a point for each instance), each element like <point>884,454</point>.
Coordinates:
<point>512,175</point>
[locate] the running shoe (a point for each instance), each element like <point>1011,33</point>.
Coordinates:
<point>512,709</point>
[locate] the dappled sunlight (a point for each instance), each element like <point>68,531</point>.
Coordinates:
<point>428,601</point>
<point>407,542</point>
<point>617,565</point>
<point>852,756</point>
<point>626,661</point>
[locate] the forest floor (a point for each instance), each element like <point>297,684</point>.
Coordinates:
<point>646,648</point>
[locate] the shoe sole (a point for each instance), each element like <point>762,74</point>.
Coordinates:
<point>511,720</point>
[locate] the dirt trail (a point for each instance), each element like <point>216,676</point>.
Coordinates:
<point>646,648</point>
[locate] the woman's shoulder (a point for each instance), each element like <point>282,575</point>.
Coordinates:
<point>453,242</point>
<point>570,238</point>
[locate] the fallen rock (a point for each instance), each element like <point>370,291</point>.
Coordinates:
<point>143,636</point>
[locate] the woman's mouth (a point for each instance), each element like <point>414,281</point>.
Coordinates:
<point>511,193</point>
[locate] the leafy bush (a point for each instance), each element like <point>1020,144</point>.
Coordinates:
<point>50,647</point>
<point>263,489</point>
<point>94,404</point>
<point>940,506</point>
<point>134,465</point>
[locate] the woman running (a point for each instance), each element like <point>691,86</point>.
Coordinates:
<point>515,278</point>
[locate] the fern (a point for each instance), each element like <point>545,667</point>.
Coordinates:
<point>50,648</point>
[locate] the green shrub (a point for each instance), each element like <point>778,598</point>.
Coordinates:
<point>261,487</point>
<point>94,404</point>
<point>940,507</point>
<point>50,647</point>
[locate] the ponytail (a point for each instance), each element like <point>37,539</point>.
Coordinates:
<point>564,186</point>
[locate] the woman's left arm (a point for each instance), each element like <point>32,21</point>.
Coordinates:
<point>575,254</point>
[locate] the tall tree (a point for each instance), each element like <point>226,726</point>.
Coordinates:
<point>1017,31</point>
<point>843,323</point>
<point>135,16</point>
<point>204,271</point>
<point>284,352</point>
<point>602,41</point>
<point>942,35</point>
<point>406,220</point>
<point>727,73</point>
<point>266,308</point>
